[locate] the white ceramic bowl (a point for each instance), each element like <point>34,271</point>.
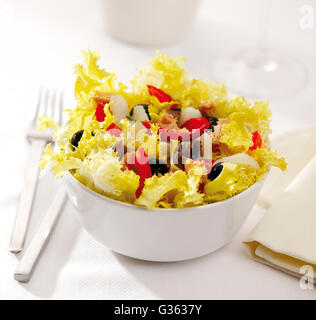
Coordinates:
<point>160,234</point>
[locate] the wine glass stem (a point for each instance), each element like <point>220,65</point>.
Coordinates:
<point>264,15</point>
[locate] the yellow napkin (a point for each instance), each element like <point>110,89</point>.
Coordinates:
<point>285,238</point>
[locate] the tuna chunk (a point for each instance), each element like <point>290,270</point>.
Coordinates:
<point>217,134</point>
<point>168,122</point>
<point>102,97</point>
<point>207,109</point>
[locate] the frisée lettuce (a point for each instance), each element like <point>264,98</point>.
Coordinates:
<point>126,141</point>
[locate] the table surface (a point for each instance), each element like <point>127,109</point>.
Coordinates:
<point>41,41</point>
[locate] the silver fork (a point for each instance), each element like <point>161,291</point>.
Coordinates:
<point>50,103</point>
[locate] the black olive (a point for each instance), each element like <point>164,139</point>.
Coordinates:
<point>157,168</point>
<point>215,172</point>
<point>214,122</point>
<point>76,138</point>
<point>145,106</point>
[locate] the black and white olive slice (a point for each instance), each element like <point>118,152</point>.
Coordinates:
<point>140,112</point>
<point>76,138</point>
<point>157,168</point>
<point>215,172</point>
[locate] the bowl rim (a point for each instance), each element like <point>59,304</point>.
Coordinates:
<point>67,175</point>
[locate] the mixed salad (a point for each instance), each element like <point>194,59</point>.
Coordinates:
<point>167,141</point>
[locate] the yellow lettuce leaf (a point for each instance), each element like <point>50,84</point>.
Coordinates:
<point>60,163</point>
<point>266,157</point>
<point>165,73</point>
<point>105,170</point>
<point>46,123</point>
<point>245,119</point>
<point>233,179</point>
<point>156,187</point>
<point>198,91</point>
<point>190,195</point>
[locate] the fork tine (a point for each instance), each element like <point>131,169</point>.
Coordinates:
<point>46,102</point>
<point>52,104</point>
<point>40,97</point>
<point>49,103</point>
<point>61,107</point>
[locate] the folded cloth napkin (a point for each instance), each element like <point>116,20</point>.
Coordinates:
<point>298,147</point>
<point>285,238</point>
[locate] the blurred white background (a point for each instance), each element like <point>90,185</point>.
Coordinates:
<point>41,40</point>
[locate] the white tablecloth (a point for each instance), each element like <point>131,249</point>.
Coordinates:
<point>40,42</point>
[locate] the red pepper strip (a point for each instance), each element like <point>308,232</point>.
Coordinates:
<point>141,167</point>
<point>140,187</point>
<point>196,123</point>
<point>174,106</point>
<point>99,113</point>
<point>257,141</point>
<point>142,163</point>
<point>147,124</point>
<point>198,132</point>
<point>114,130</point>
<point>159,94</point>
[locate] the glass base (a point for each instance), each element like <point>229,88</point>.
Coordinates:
<point>261,74</point>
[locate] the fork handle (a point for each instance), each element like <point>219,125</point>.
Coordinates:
<point>27,263</point>
<point>25,206</point>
